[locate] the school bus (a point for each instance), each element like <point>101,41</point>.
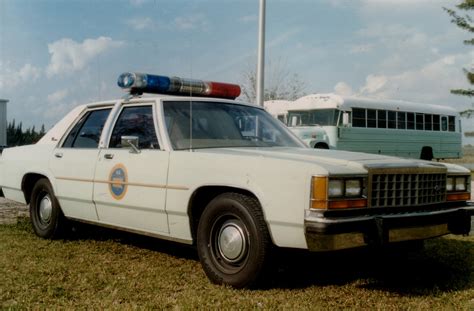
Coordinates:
<point>389,127</point>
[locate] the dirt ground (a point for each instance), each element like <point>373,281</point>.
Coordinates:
<point>10,211</point>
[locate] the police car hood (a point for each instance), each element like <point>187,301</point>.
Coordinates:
<point>332,158</point>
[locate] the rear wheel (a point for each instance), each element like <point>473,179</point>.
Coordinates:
<point>46,216</point>
<point>233,241</point>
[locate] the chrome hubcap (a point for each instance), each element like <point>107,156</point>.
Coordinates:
<point>45,209</point>
<point>232,242</point>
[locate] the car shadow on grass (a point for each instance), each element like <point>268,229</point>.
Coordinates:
<point>81,231</point>
<point>444,264</point>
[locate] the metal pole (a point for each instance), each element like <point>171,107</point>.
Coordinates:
<point>261,54</point>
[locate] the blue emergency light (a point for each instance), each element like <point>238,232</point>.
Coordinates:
<point>138,83</point>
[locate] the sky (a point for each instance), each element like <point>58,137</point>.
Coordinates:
<point>55,54</point>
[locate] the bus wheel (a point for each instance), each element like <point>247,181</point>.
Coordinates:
<point>321,146</point>
<point>426,154</point>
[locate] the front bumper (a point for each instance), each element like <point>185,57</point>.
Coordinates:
<point>325,233</point>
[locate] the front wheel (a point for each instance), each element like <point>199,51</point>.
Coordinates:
<point>233,242</point>
<point>46,216</point>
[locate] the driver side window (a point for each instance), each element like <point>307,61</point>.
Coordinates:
<point>138,122</point>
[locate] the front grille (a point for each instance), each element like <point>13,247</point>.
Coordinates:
<point>401,189</point>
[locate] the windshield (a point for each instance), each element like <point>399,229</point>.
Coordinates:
<point>193,125</point>
<point>321,117</point>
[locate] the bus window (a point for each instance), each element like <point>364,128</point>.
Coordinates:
<point>444,124</point>
<point>419,121</point>
<point>401,124</point>
<point>435,122</point>
<point>371,118</point>
<point>452,125</point>
<point>410,120</point>
<point>392,119</point>
<point>428,122</point>
<point>358,117</point>
<point>382,119</point>
<point>281,117</point>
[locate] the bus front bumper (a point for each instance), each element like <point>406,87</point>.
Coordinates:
<point>334,233</point>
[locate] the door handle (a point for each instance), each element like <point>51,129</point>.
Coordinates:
<point>109,156</point>
<point>58,155</point>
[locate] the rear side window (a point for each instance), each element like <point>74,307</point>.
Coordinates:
<point>86,133</point>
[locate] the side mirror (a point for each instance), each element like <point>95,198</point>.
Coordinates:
<point>130,142</point>
<point>345,119</point>
<point>294,121</point>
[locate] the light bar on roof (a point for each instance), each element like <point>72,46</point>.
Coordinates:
<point>145,83</point>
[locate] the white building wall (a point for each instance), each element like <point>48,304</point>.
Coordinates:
<point>3,122</point>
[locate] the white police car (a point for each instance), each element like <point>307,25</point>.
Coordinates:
<point>193,165</point>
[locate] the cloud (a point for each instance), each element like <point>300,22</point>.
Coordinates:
<point>409,3</point>
<point>10,78</point>
<point>68,55</point>
<point>376,30</point>
<point>361,48</point>
<point>283,37</point>
<point>430,83</point>
<point>248,19</point>
<point>137,3</point>
<point>344,89</point>
<point>373,83</point>
<point>191,22</point>
<point>377,4</point>
<point>140,23</point>
<point>58,96</point>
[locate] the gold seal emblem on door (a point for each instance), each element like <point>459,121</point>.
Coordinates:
<point>118,181</point>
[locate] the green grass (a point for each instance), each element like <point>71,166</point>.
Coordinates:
<point>97,268</point>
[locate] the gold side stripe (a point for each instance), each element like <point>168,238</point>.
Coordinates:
<point>125,183</point>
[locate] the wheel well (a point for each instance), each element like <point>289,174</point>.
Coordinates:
<point>201,197</point>
<point>321,146</point>
<point>27,184</point>
<point>426,153</point>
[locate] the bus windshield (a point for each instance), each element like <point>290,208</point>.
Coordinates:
<point>321,117</point>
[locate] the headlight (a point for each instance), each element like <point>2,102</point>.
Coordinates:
<point>348,188</point>
<point>457,188</point>
<point>460,184</point>
<point>353,188</point>
<point>336,188</point>
<point>449,184</point>
<point>337,192</point>
<point>457,183</point>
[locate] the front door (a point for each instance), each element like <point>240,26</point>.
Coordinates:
<point>130,186</point>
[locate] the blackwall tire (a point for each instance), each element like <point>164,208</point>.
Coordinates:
<point>233,242</point>
<point>46,216</point>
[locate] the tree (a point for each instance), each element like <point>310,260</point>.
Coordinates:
<point>279,83</point>
<point>465,22</point>
<point>17,137</point>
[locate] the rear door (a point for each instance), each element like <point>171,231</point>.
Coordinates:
<point>130,187</point>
